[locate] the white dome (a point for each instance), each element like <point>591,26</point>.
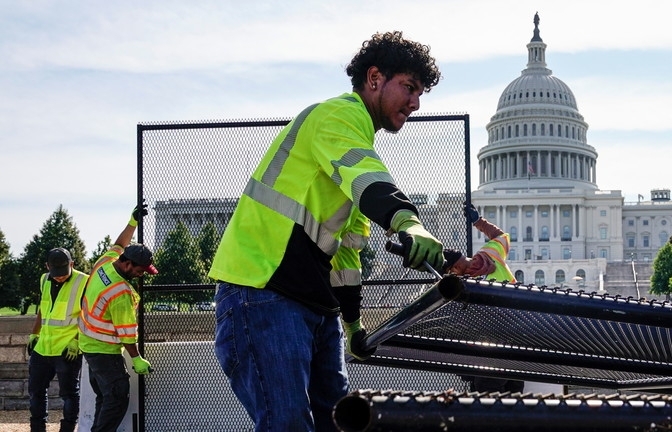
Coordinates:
<point>535,86</point>
<point>537,137</point>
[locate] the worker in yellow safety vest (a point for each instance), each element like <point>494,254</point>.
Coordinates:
<point>108,324</point>
<point>288,263</point>
<point>53,345</point>
<point>490,262</point>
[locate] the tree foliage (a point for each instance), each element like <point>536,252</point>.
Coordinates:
<point>367,257</point>
<point>179,259</point>
<point>208,240</point>
<point>661,279</point>
<point>101,248</point>
<point>10,294</point>
<point>58,231</point>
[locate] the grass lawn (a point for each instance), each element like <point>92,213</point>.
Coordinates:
<point>32,310</point>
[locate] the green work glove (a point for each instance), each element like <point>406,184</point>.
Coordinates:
<point>419,245</point>
<point>32,341</point>
<point>355,335</point>
<point>137,214</point>
<point>72,350</point>
<point>141,366</point>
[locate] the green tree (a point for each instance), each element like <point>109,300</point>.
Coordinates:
<point>661,279</point>
<point>179,263</point>
<point>208,240</point>
<point>10,295</point>
<point>101,248</point>
<point>58,231</point>
<point>367,257</point>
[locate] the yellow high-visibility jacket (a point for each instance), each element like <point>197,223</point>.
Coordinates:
<point>109,306</point>
<point>59,315</point>
<point>318,185</point>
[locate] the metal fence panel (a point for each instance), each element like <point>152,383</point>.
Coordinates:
<point>191,175</point>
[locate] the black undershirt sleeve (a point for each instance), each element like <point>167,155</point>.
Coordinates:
<point>380,201</point>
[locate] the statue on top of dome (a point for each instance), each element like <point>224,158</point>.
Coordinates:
<point>536,19</point>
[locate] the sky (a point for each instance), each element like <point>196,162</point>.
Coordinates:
<point>76,77</point>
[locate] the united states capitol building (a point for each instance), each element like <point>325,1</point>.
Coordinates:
<point>537,181</point>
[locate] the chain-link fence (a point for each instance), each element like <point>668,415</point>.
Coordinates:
<point>191,176</point>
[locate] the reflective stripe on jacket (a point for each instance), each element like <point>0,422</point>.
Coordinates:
<point>498,249</point>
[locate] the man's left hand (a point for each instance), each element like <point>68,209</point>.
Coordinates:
<point>71,352</point>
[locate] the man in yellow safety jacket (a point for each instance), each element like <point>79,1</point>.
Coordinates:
<point>489,261</point>
<point>53,346</point>
<point>288,262</point>
<point>108,324</point>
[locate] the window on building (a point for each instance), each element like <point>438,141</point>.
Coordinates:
<point>513,234</point>
<point>630,238</point>
<point>512,255</point>
<point>603,213</point>
<point>566,253</point>
<point>550,129</point>
<point>491,215</point>
<point>513,213</point>
<point>520,276</point>
<point>528,254</point>
<point>517,130</point>
<point>631,222</point>
<point>528,233</point>
<point>566,232</point>
<point>565,213</point>
<point>528,214</point>
<point>559,276</point>
<point>543,236</point>
<point>524,130</point>
<point>603,233</point>
<point>645,240</point>
<point>544,213</point>
<point>603,253</point>
<point>663,237</point>
<point>645,222</point>
<point>534,129</point>
<point>543,129</point>
<point>508,129</point>
<point>539,278</point>
<point>544,253</point>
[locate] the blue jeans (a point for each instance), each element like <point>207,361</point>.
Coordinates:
<point>111,383</point>
<point>41,370</point>
<point>285,363</point>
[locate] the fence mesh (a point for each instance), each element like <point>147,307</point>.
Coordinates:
<point>191,176</point>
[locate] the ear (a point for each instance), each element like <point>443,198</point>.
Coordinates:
<point>373,77</point>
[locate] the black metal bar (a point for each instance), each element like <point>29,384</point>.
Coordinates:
<point>448,288</point>
<point>561,356</point>
<point>565,302</point>
<point>470,412</point>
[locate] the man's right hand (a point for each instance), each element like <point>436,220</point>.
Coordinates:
<point>141,366</point>
<point>32,341</point>
<point>471,213</point>
<point>355,334</point>
<point>419,244</point>
<point>137,214</point>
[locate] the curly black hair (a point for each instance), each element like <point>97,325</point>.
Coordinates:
<point>393,54</point>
